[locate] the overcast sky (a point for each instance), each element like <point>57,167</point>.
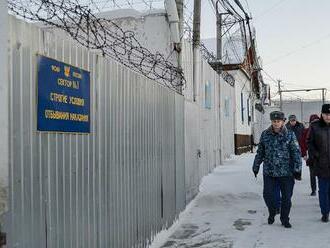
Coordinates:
<point>293,38</point>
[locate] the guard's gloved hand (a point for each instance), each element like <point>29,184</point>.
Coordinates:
<point>255,172</point>
<point>297,175</point>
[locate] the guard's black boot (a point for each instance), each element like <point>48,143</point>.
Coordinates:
<point>286,224</point>
<point>271,219</point>
<point>313,193</point>
<point>325,218</point>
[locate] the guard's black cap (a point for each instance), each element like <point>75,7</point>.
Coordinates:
<point>277,115</point>
<point>292,118</point>
<point>326,108</point>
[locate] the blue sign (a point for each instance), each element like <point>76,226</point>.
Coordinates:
<point>63,97</point>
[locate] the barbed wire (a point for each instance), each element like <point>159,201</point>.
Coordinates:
<point>205,52</point>
<point>101,34</point>
<point>142,5</point>
<point>207,55</point>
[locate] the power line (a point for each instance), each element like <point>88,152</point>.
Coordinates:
<point>248,6</point>
<point>238,3</point>
<point>301,85</point>
<point>298,50</point>
<point>285,88</point>
<point>291,92</point>
<point>270,9</point>
<point>269,76</point>
<point>227,5</point>
<point>273,80</point>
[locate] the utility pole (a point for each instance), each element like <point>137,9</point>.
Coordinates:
<point>219,57</point>
<point>323,96</point>
<point>219,38</point>
<point>219,32</point>
<point>197,23</point>
<point>301,110</point>
<point>280,92</point>
<point>179,6</point>
<point>196,43</point>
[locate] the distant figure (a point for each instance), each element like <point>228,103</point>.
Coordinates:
<point>279,152</point>
<point>319,151</point>
<point>295,126</point>
<point>304,154</point>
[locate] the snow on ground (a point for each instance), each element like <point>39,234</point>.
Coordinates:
<point>229,212</point>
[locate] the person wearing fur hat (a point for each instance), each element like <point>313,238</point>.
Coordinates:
<point>319,151</point>
<point>279,152</point>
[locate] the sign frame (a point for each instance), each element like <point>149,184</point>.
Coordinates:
<point>87,72</point>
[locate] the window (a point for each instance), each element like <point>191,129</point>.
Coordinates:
<point>208,99</point>
<point>248,111</point>
<point>227,107</point>
<point>242,107</point>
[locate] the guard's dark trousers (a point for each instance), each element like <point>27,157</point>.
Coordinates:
<point>286,186</point>
<point>312,178</point>
<point>324,195</point>
<point>277,196</point>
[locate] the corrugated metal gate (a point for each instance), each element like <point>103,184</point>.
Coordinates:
<point>116,187</point>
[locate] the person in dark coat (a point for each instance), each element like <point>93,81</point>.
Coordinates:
<point>295,126</point>
<point>279,152</point>
<point>319,151</point>
<point>304,154</point>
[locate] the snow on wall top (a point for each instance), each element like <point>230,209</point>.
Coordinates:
<point>129,13</point>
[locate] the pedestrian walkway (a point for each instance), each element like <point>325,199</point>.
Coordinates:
<point>229,212</point>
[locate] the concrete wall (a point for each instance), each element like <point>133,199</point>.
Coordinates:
<point>151,29</point>
<point>209,99</point>
<point>4,88</point>
<point>202,121</point>
<point>227,110</point>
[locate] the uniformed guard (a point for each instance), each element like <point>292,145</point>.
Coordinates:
<point>279,152</point>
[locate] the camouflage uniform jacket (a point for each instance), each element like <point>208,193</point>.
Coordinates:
<point>279,152</point>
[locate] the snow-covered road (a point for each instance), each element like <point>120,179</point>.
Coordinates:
<point>230,212</point>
